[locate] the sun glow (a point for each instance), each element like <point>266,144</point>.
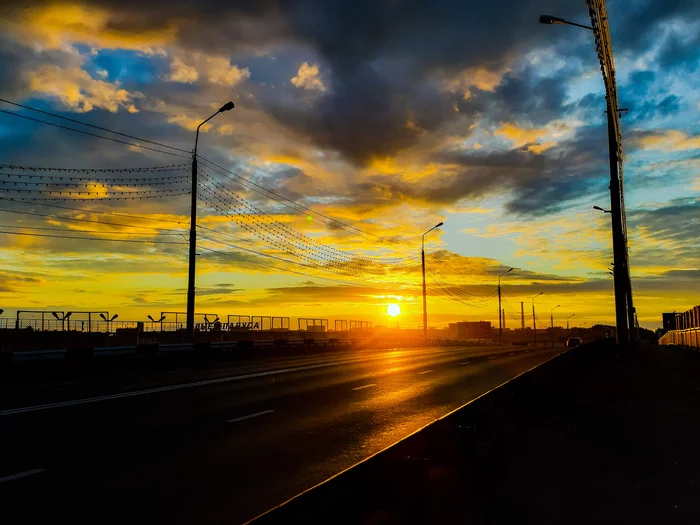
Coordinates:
<point>393,310</point>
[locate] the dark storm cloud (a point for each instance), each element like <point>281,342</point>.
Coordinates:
<point>679,221</point>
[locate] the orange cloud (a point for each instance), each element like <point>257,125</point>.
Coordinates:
<point>56,24</point>
<point>77,90</point>
<point>669,140</point>
<point>308,77</point>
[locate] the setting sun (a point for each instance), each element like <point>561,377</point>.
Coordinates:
<point>393,310</point>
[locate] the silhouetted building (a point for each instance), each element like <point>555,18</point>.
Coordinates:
<point>669,321</point>
<point>470,330</point>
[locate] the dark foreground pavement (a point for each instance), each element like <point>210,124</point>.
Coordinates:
<point>221,442</point>
<point>592,436</point>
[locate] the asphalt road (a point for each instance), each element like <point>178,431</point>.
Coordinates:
<point>223,443</point>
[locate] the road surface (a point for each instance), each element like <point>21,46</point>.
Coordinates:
<point>222,443</point>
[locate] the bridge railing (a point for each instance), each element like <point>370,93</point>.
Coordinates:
<point>689,337</point>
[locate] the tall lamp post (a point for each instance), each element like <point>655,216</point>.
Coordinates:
<point>500,312</point>
<point>422,256</point>
<point>624,309</point>
<point>534,319</point>
<point>551,316</point>
<point>193,229</point>
<point>567,321</point>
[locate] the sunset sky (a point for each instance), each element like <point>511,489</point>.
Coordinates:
<point>381,118</point>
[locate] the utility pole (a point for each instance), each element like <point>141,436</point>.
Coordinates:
<point>500,310</point>
<point>624,307</point>
<point>425,300</point>
<point>534,319</point>
<point>191,270</point>
<point>503,315</point>
<point>522,316</point>
<point>534,322</point>
<point>620,273</point>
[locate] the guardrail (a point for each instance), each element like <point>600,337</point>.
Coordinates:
<point>689,337</point>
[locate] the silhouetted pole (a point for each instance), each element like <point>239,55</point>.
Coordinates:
<point>534,319</point>
<point>551,322</point>
<point>624,307</point>
<point>500,310</point>
<point>567,321</point>
<point>522,316</point>
<point>620,273</point>
<point>425,301</point>
<point>193,230</point>
<point>503,315</point>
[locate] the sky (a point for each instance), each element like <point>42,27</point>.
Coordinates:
<point>371,121</point>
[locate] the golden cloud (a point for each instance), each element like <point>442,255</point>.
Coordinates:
<point>188,68</point>
<point>308,77</point>
<point>77,90</point>
<point>669,140</point>
<point>54,25</point>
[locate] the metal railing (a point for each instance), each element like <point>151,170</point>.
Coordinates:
<point>689,337</point>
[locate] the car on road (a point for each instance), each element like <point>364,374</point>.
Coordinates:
<point>573,341</point>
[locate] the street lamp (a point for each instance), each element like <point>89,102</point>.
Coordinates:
<point>193,229</point>
<point>162,318</point>
<point>567,321</point>
<point>549,19</point>
<point>63,319</point>
<point>534,319</point>
<point>624,309</point>
<point>601,209</point>
<point>109,320</point>
<point>551,316</point>
<point>422,257</point>
<point>500,312</point>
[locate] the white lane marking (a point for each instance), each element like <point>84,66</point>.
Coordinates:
<point>465,362</point>
<point>493,357</point>
<point>249,416</point>
<point>364,386</point>
<point>424,372</point>
<point>512,353</point>
<point>157,390</point>
<point>22,474</point>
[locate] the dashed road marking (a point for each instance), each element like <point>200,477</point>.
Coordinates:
<point>465,362</point>
<point>424,372</point>
<point>364,386</point>
<point>249,416</point>
<point>22,474</point>
<point>493,357</point>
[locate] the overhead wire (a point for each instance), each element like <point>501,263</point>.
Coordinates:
<point>75,121</point>
<point>90,238</point>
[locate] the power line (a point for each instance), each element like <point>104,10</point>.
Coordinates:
<point>265,255</point>
<point>287,202</point>
<point>74,231</point>
<point>91,134</point>
<point>90,238</point>
<point>88,220</point>
<point>93,126</point>
<point>286,270</point>
<point>169,167</point>
<point>141,217</point>
<point>33,199</point>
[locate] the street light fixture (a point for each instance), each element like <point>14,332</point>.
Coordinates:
<point>500,312</point>
<point>601,209</point>
<point>534,319</point>
<point>549,19</point>
<point>567,321</point>
<point>551,316</point>
<point>193,229</point>
<point>422,256</point>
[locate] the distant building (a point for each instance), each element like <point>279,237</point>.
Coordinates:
<point>470,330</point>
<point>669,321</point>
